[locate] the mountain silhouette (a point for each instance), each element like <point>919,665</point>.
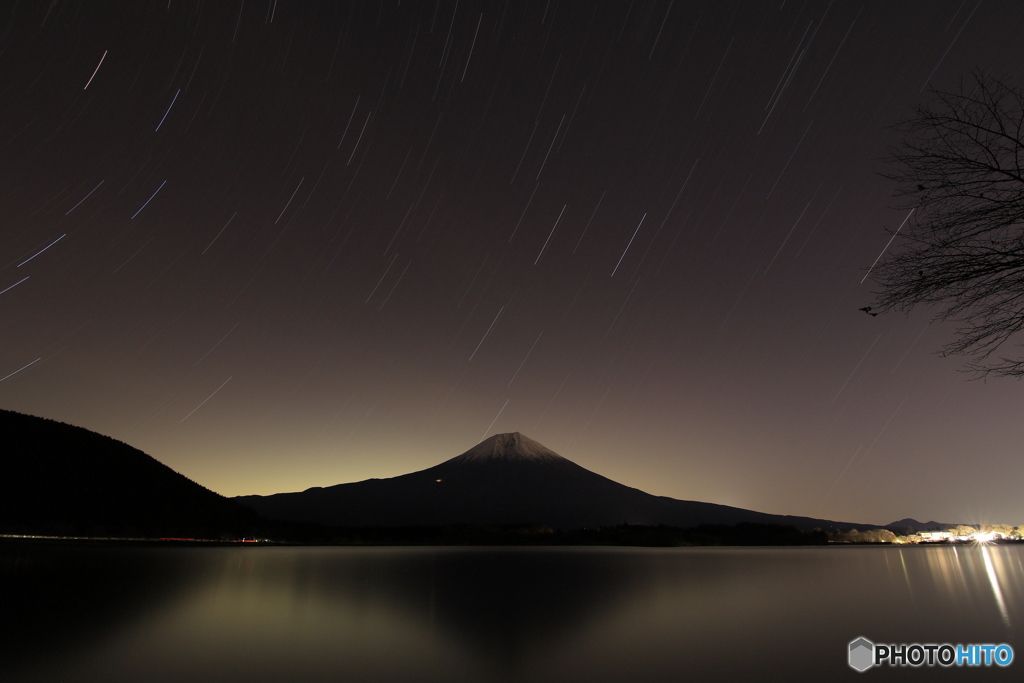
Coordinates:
<point>506,479</point>
<point>902,525</point>
<point>57,479</point>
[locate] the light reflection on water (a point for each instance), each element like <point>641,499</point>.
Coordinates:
<point>82,613</point>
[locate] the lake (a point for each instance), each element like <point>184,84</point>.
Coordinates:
<point>81,612</point>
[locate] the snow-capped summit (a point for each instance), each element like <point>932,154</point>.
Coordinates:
<point>511,446</point>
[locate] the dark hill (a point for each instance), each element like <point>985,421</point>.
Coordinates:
<point>903,525</point>
<point>57,479</point>
<point>506,479</point>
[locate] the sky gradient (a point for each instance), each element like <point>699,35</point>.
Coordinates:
<point>284,244</point>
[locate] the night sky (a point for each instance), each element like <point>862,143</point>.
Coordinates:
<point>280,244</point>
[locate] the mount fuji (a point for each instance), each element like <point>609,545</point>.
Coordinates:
<point>506,479</point>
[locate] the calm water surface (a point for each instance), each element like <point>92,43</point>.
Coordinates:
<point>91,613</point>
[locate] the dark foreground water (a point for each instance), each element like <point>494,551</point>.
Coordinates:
<point>73,612</point>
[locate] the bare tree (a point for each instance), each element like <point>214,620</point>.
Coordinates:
<point>961,253</point>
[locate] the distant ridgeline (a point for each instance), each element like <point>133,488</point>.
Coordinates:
<point>60,480</point>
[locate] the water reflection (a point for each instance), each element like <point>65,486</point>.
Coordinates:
<point>961,571</point>
<point>457,614</point>
<point>996,590</point>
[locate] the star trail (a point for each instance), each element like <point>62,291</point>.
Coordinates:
<point>281,244</point>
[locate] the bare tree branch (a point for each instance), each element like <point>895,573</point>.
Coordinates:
<point>960,166</point>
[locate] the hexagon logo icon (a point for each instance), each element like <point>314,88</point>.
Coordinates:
<point>862,654</point>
